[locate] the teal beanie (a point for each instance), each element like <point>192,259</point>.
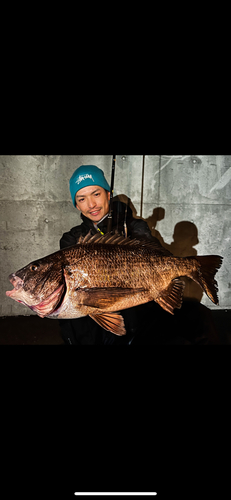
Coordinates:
<point>87,175</point>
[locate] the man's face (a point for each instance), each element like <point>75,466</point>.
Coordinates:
<point>93,202</point>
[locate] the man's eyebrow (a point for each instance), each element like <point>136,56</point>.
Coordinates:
<point>83,195</point>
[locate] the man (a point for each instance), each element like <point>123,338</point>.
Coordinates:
<point>90,193</point>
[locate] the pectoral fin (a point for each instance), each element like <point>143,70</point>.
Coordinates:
<point>103,298</point>
<point>172,296</point>
<point>112,322</point>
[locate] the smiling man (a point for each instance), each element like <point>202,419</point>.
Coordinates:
<point>90,193</point>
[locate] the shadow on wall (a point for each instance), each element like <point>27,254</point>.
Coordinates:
<point>185,238</point>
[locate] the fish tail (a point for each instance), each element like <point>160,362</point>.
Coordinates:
<point>205,275</point>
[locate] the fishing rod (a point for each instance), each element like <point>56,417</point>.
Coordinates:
<point>109,223</point>
<point>142,187</point>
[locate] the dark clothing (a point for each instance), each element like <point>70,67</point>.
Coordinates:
<point>85,330</point>
<point>136,228</point>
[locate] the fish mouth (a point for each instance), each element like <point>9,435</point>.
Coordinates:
<point>17,284</point>
<point>44,308</point>
<point>11,293</point>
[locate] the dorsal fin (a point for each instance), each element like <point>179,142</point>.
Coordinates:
<point>117,239</point>
<point>108,239</point>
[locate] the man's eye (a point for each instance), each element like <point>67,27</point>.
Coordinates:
<point>82,199</point>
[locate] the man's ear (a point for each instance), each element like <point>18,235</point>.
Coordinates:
<point>108,195</point>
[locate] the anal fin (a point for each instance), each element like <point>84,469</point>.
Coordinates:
<point>113,322</point>
<point>171,297</point>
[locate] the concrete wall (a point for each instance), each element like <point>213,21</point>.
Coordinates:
<point>187,204</point>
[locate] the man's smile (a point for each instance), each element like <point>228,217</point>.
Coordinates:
<point>95,212</point>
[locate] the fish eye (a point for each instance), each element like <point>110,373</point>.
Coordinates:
<point>33,267</point>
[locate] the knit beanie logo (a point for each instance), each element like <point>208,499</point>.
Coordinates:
<point>82,178</point>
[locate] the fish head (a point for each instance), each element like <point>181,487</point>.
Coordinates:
<point>40,286</point>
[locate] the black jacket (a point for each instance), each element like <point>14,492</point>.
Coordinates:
<point>85,330</point>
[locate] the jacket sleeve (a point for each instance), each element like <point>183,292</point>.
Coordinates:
<point>72,237</point>
<point>67,240</point>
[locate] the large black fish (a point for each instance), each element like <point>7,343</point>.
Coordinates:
<point>102,275</point>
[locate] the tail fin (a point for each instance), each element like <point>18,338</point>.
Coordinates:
<point>204,276</point>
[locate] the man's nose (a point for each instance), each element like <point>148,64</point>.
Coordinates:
<point>91,203</point>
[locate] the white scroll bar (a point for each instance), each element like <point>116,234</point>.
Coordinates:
<point>117,494</point>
